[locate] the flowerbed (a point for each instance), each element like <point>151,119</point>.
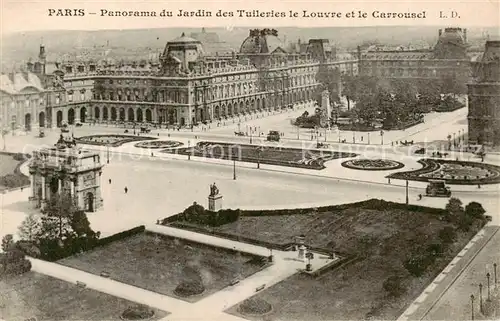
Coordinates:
<point>292,157</point>
<point>111,140</point>
<point>372,164</point>
<point>453,172</point>
<point>157,144</point>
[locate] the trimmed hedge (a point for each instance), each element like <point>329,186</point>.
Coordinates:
<point>16,179</point>
<point>126,139</point>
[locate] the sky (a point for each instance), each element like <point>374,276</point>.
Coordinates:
<point>21,15</point>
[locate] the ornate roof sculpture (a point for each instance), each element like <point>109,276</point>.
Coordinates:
<point>263,41</point>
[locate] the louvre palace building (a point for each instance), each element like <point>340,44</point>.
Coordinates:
<point>191,81</point>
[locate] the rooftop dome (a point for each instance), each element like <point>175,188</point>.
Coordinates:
<point>183,39</point>
<point>261,42</point>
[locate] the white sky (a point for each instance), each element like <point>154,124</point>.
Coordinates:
<point>19,15</point>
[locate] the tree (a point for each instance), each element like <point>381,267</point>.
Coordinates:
<point>454,207</point>
<point>330,79</point>
<point>30,229</point>
<point>59,211</point>
<point>474,210</point>
<point>8,243</point>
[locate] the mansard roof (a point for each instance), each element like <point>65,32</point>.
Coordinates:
<point>17,82</point>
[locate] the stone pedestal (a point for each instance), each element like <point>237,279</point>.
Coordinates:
<point>302,253</point>
<point>215,202</point>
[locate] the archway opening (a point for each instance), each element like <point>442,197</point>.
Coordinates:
<point>41,119</point>
<point>131,115</point>
<point>71,116</point>
<point>148,115</point>
<point>27,122</point>
<point>83,114</point>
<point>59,118</point>
<point>97,113</point>
<point>139,115</point>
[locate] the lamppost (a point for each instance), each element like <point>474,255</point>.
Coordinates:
<point>481,297</point>
<point>381,137</point>
<point>325,134</point>
<point>250,136</point>
<point>454,141</point>
<point>472,306</point>
<point>234,166</point>
<point>298,132</point>
<point>353,138</point>
<point>107,153</point>
<point>495,273</point>
<point>407,201</point>
<point>488,277</point>
<point>189,152</point>
<point>368,138</point>
<point>259,149</point>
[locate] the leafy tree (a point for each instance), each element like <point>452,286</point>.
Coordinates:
<point>454,207</point>
<point>474,210</point>
<point>329,78</point>
<point>8,243</point>
<point>30,228</point>
<point>59,211</point>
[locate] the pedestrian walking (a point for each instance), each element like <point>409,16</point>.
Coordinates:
<point>389,180</point>
<point>109,180</point>
<point>419,197</point>
<point>126,190</point>
<point>152,155</point>
<point>478,185</point>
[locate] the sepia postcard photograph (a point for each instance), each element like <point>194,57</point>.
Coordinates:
<point>249,161</point>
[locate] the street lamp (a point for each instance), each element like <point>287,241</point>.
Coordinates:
<point>481,297</point>
<point>189,152</point>
<point>368,138</point>
<point>495,273</point>
<point>259,149</point>
<point>381,137</point>
<point>472,306</point>
<point>107,153</point>
<point>488,277</point>
<point>353,138</point>
<point>407,201</point>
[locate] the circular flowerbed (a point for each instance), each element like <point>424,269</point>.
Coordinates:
<point>189,288</point>
<point>111,140</point>
<point>372,164</point>
<point>453,172</point>
<point>255,306</point>
<point>138,312</point>
<point>159,144</point>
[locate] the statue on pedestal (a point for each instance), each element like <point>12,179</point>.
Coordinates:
<point>214,199</point>
<point>214,191</point>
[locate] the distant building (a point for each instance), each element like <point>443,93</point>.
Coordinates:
<point>484,97</point>
<point>69,170</point>
<point>448,58</point>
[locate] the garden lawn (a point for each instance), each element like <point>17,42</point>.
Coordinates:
<point>8,167</point>
<point>158,263</point>
<point>46,298</point>
<point>382,239</point>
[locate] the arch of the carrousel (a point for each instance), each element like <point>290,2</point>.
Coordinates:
<point>97,113</point>
<point>27,121</point>
<point>114,113</point>
<point>83,114</point>
<point>122,114</point>
<point>130,114</point>
<point>241,108</point>
<point>149,115</point>
<point>59,118</point>
<point>139,115</point>
<point>71,116</point>
<point>252,104</point>
<point>41,119</point>
<point>89,202</point>
<point>230,109</point>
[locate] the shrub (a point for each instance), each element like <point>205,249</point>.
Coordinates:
<point>14,180</point>
<point>417,265</point>
<point>474,210</point>
<point>19,157</point>
<point>138,312</point>
<point>393,286</point>
<point>435,249</point>
<point>255,306</point>
<point>447,235</point>
<point>13,262</point>
<point>189,288</point>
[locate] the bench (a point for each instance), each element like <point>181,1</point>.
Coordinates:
<point>105,274</point>
<point>81,284</point>
<point>260,288</point>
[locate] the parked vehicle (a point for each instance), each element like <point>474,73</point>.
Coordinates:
<point>78,124</point>
<point>239,133</point>
<point>322,145</point>
<point>145,130</point>
<point>437,188</point>
<point>65,130</point>
<point>420,151</point>
<point>273,136</point>
<point>41,134</point>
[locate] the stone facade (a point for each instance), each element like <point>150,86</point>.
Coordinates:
<point>484,98</point>
<point>66,169</point>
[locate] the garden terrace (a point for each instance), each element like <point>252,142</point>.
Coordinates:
<point>453,172</point>
<point>33,295</point>
<point>110,140</point>
<point>382,237</point>
<point>292,157</point>
<point>157,144</point>
<point>160,264</point>
<point>372,164</point>
<point>10,175</point>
